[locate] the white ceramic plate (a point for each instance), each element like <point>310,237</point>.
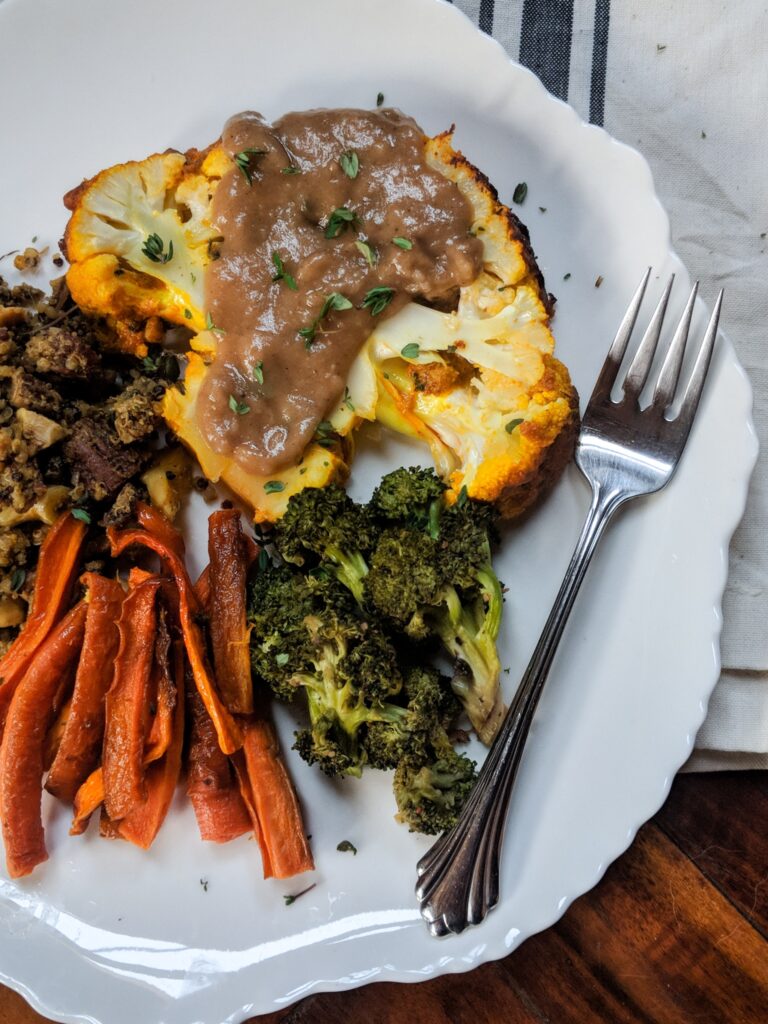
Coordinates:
<point>104,933</point>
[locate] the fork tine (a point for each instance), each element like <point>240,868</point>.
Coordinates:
<point>666,385</point>
<point>637,374</point>
<point>616,352</point>
<point>695,385</point>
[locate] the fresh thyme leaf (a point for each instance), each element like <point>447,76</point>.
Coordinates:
<point>348,401</point>
<point>292,899</point>
<point>341,218</point>
<point>291,169</point>
<point>521,191</point>
<point>410,351</point>
<point>379,99</point>
<point>17,580</point>
<point>325,434</point>
<point>82,515</point>
<point>349,162</point>
<point>264,560</point>
<point>308,334</point>
<point>204,883</point>
<point>368,252</point>
<point>402,243</point>
<point>566,277</point>
<point>282,659</point>
<point>274,486</point>
<point>282,274</point>
<point>377,299</point>
<point>512,424</point>
<point>463,497</point>
<point>153,249</point>
<point>148,364</point>
<point>244,162</point>
<point>188,314</point>
<point>346,847</point>
<point>334,301</point>
<point>258,371</point>
<point>598,281</point>
<point>211,326</point>
<point>240,408</point>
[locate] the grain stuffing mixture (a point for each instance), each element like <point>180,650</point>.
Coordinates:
<point>80,429</point>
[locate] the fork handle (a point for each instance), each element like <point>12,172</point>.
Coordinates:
<point>459,875</point>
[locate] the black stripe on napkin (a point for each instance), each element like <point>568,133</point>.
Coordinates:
<point>485,21</point>
<point>599,61</point>
<point>545,42</point>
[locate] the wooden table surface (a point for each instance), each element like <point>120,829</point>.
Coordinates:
<point>676,933</point>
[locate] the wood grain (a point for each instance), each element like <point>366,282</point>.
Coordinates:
<point>676,933</point>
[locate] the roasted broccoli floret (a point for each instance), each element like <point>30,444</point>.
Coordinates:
<point>325,525</point>
<point>430,796</point>
<point>412,496</point>
<point>445,586</point>
<point>307,634</point>
<point>430,707</point>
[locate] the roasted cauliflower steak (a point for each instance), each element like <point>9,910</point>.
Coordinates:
<point>478,384</point>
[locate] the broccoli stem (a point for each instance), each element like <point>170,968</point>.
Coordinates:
<point>350,570</point>
<point>469,633</point>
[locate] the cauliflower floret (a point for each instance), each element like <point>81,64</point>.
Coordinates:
<point>139,239</point>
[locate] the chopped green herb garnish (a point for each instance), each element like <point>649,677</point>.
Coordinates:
<point>368,252</point>
<point>282,659</point>
<point>325,434</point>
<point>598,281</point>
<point>281,274</point>
<point>566,277</point>
<point>187,314</point>
<point>463,497</point>
<point>349,162</point>
<point>211,326</point>
<point>264,560</point>
<point>333,301</point>
<point>240,408</point>
<point>274,486</point>
<point>258,372</point>
<point>379,99</point>
<point>292,899</point>
<point>346,847</point>
<point>154,247</point>
<point>82,515</point>
<point>244,162</point>
<point>512,424</point>
<point>402,243</point>
<point>341,218</point>
<point>542,209</point>
<point>521,191</point>
<point>377,300</point>
<point>411,350</point>
<point>348,401</point>
<point>148,364</point>
<point>291,169</point>
<point>17,580</point>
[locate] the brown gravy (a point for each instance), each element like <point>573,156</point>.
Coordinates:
<point>280,368</point>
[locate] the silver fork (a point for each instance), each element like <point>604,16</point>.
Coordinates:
<point>624,451</point>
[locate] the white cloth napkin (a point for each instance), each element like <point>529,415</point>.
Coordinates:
<point>686,83</point>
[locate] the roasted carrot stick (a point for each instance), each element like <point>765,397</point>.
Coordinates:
<point>55,576</point>
<point>54,735</point>
<point>284,847</point>
<point>80,747</point>
<point>155,523</point>
<point>211,784</point>
<point>124,731</point>
<point>142,823</point>
<point>163,699</point>
<point>21,753</point>
<point>227,728</point>
<point>227,620</point>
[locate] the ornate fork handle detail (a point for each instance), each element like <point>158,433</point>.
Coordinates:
<point>460,873</point>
